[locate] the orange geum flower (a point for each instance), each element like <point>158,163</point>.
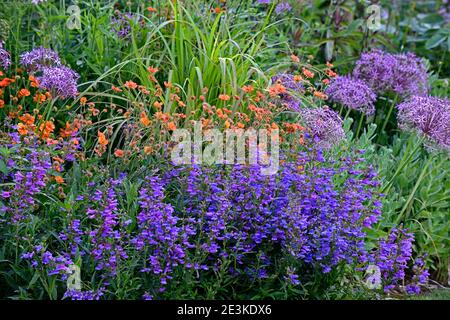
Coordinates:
<point>171,126</point>
<point>22,129</point>
<point>23,93</point>
<point>130,84</point>
<point>326,81</point>
<point>83,101</point>
<point>148,149</point>
<point>145,120</point>
<point>224,97</point>
<point>298,78</point>
<point>116,89</point>
<point>2,103</point>
<point>59,179</point>
<point>157,105</point>
<point>331,73</point>
<point>152,70</point>
<point>308,73</point>
<point>294,58</point>
<point>27,119</point>
<point>248,88</point>
<point>51,141</point>
<point>39,97</point>
<point>118,153</point>
<point>151,9</point>
<point>168,84</point>
<point>320,95</point>
<point>46,129</point>
<point>6,82</point>
<point>102,138</point>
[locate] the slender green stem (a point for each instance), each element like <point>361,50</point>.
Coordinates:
<point>405,161</point>
<point>414,190</point>
<point>388,116</point>
<point>361,118</point>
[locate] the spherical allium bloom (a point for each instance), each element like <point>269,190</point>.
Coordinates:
<point>39,58</point>
<point>292,86</point>
<point>376,69</point>
<point>5,58</point>
<point>429,116</point>
<point>60,81</point>
<point>122,24</point>
<point>352,93</point>
<point>283,7</point>
<point>409,76</point>
<point>325,125</point>
<point>404,74</point>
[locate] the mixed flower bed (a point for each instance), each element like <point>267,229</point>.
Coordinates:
<point>92,205</point>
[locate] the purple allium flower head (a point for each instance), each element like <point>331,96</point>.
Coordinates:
<point>5,58</point>
<point>39,58</point>
<point>283,7</point>
<point>410,75</point>
<point>376,69</point>
<point>429,116</point>
<point>264,1</point>
<point>60,81</point>
<point>325,125</point>
<point>352,93</point>
<point>404,74</point>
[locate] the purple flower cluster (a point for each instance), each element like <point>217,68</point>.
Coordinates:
<point>325,125</point>
<point>283,7</point>
<point>122,24</point>
<point>403,74</point>
<point>243,214</point>
<point>392,257</point>
<point>60,81</point>
<point>159,233</point>
<point>280,8</point>
<point>43,259</point>
<point>5,58</point>
<point>84,295</point>
<point>28,181</point>
<point>429,116</point>
<point>420,277</point>
<point>352,93</point>
<point>293,87</point>
<point>39,58</point>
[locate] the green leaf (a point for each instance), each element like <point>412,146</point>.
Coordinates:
<point>435,40</point>
<point>433,18</point>
<point>3,167</point>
